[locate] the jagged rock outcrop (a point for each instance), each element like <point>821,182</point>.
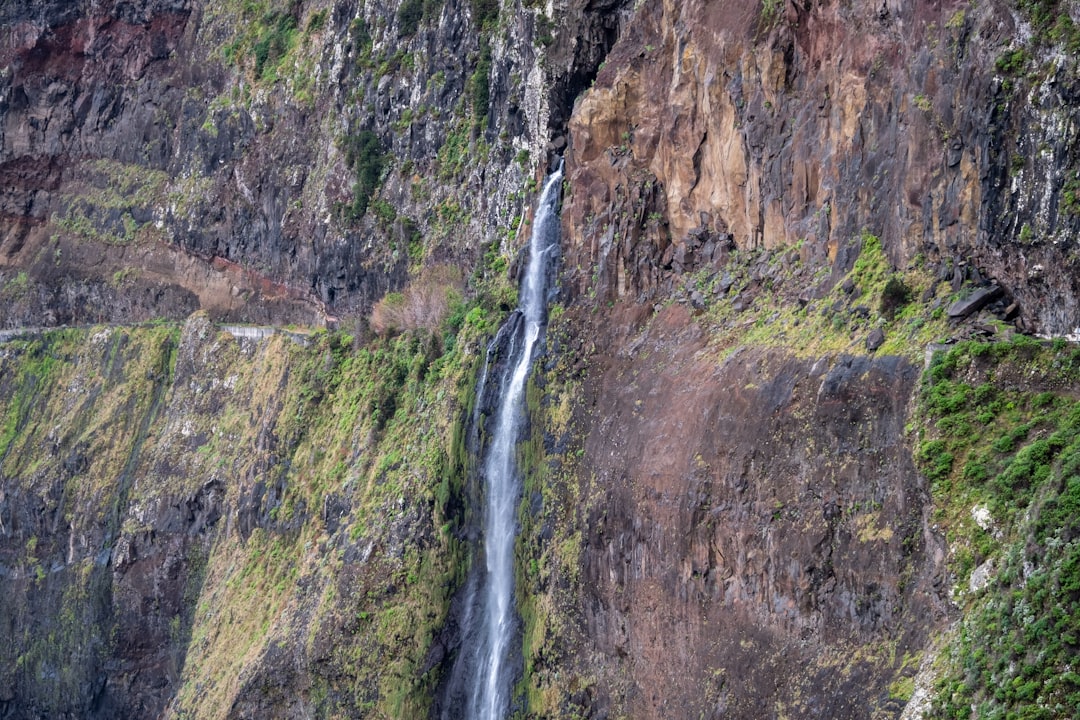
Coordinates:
<point>939,128</point>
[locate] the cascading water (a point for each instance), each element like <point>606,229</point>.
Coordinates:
<point>480,681</point>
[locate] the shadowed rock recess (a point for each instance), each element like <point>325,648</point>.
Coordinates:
<point>802,438</point>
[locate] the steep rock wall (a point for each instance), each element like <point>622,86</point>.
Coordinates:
<point>776,124</point>
<point>194,525</point>
<point>758,540</point>
<point>744,532</point>
<point>284,161</point>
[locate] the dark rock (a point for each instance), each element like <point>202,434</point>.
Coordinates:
<point>955,152</point>
<point>875,339</point>
<point>848,287</point>
<point>697,300</point>
<point>957,279</point>
<point>708,250</point>
<point>973,302</point>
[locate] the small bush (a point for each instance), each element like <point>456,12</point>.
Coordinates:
<point>894,296</point>
<point>409,15</point>
<point>1011,62</point>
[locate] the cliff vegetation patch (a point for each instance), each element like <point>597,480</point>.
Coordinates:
<point>1001,446</point>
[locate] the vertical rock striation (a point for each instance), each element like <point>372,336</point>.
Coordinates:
<point>773,124</point>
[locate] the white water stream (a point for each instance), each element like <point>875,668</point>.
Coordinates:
<point>485,665</point>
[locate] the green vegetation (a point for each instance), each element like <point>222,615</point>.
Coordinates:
<point>770,11</point>
<point>480,84</point>
<point>1070,195</point>
<point>267,37</point>
<point>365,156</point>
<point>409,14</point>
<point>361,41</point>
<point>16,286</point>
<point>894,296</point>
<point>454,155</point>
<point>484,14</point>
<point>1012,62</point>
<point>116,192</point>
<point>1051,23</point>
<point>1002,450</point>
<point>877,297</point>
<point>339,464</point>
<point>56,390</point>
<point>548,567</point>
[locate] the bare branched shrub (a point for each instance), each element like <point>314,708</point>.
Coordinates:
<point>424,303</point>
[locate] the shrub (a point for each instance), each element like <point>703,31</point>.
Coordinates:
<point>364,155</point>
<point>1011,62</point>
<point>409,15</point>
<point>481,83</point>
<point>424,303</point>
<point>894,296</point>
<point>275,44</point>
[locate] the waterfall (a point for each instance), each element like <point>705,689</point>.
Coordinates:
<point>480,682</point>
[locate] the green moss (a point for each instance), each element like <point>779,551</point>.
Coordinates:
<point>103,212</point>
<point>834,323</point>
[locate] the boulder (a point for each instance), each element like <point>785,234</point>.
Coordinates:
<point>974,302</point>
<point>875,339</point>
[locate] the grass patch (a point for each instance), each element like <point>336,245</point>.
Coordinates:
<point>760,311</point>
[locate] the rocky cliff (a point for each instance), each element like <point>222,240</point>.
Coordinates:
<point>759,482</point>
<point>275,160</point>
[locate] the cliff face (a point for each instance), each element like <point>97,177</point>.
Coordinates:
<point>199,525</point>
<point>266,161</point>
<point>809,182</point>
<point>751,490</point>
<point>943,129</point>
<point>766,554</point>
